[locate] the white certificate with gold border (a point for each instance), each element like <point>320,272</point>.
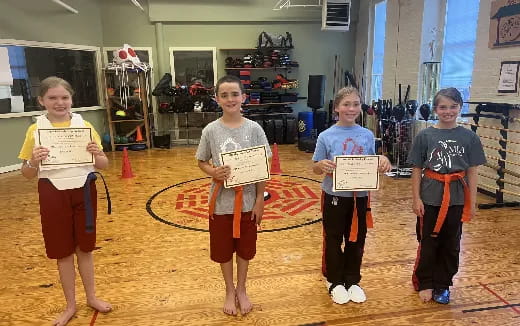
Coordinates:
<point>356,173</point>
<point>67,147</point>
<point>248,165</point>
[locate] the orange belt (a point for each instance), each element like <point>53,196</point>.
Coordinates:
<point>447,179</point>
<point>354,226</point>
<point>237,207</point>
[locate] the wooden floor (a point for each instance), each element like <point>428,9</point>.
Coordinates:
<point>157,271</point>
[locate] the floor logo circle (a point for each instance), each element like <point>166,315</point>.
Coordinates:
<point>294,202</point>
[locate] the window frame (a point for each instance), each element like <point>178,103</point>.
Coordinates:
<point>64,46</point>
<point>193,48</point>
<point>370,51</point>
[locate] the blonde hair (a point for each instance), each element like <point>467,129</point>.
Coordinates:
<point>53,81</point>
<point>344,92</point>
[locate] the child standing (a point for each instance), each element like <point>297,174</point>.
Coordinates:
<point>232,132</point>
<point>67,217</point>
<point>344,210</point>
<point>445,159</point>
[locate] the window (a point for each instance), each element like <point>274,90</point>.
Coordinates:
<point>31,62</point>
<point>191,65</point>
<point>460,35</point>
<point>376,87</point>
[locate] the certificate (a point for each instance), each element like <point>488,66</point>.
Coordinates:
<point>248,165</point>
<point>508,82</point>
<point>356,173</point>
<point>67,147</point>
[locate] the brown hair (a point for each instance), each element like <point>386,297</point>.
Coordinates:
<point>343,92</point>
<point>449,93</point>
<point>53,81</point>
<point>229,79</point>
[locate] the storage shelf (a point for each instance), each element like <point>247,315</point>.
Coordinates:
<point>131,120</point>
<point>131,97</point>
<point>261,90</point>
<point>267,104</point>
<point>143,142</point>
<point>127,126</point>
<point>247,114</point>
<point>270,68</point>
<point>286,48</point>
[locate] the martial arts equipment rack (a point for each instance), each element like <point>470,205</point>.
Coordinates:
<point>498,111</point>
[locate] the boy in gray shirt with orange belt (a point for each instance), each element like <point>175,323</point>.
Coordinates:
<point>234,213</point>
<point>445,196</point>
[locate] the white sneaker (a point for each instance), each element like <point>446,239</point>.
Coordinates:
<point>338,294</point>
<point>356,294</point>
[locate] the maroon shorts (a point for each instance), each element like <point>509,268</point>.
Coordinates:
<point>63,219</point>
<point>222,244</point>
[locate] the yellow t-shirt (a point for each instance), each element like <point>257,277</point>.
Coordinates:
<point>28,144</point>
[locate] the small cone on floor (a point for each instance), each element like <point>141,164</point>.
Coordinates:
<point>126,170</point>
<point>275,162</point>
<point>139,135</point>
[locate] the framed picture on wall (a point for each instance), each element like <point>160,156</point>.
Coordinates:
<point>504,24</point>
<point>508,82</point>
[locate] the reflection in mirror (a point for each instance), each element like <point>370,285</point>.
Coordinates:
<point>190,67</point>
<point>30,65</point>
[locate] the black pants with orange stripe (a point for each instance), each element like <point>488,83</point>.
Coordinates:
<point>343,266</point>
<point>437,257</point>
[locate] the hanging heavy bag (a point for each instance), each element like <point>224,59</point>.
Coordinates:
<point>425,111</point>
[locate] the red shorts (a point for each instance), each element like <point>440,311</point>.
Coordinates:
<point>221,241</point>
<point>63,219</point>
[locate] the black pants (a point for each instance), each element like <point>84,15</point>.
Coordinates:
<point>343,266</point>
<point>437,257</point>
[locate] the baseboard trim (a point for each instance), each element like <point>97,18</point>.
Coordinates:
<point>9,168</point>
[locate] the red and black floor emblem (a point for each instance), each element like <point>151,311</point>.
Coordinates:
<point>294,202</point>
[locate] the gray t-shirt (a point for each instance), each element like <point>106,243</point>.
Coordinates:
<point>217,138</point>
<point>445,151</point>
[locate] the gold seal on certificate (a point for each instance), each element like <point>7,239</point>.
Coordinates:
<point>248,165</point>
<point>67,147</point>
<point>356,173</point>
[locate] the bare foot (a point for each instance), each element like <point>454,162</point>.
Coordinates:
<point>243,302</point>
<point>425,295</point>
<point>99,305</point>
<point>65,316</point>
<point>230,307</point>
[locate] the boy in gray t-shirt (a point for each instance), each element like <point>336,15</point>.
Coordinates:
<point>234,213</point>
<point>445,159</point>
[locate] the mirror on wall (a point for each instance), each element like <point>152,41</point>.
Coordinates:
<point>29,65</point>
<point>191,65</point>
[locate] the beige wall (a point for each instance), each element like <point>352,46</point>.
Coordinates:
<point>314,49</point>
<point>485,81</point>
<point>228,11</point>
<point>406,47</point>
<point>44,21</point>
<point>231,24</point>
<point>228,24</point>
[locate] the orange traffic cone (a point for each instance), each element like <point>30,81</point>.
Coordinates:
<point>126,170</point>
<point>275,162</point>
<point>139,136</point>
